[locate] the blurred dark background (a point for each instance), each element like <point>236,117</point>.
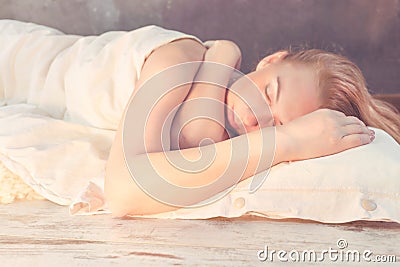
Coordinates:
<point>368,32</point>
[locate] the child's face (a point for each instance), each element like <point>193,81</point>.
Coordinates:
<point>275,94</point>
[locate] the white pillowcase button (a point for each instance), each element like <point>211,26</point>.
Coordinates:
<point>239,203</point>
<point>368,205</point>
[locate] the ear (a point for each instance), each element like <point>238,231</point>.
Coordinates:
<point>275,57</point>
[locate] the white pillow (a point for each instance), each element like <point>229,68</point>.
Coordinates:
<point>358,184</point>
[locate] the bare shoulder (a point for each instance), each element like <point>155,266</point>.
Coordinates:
<point>170,54</point>
<point>185,49</point>
<point>121,192</point>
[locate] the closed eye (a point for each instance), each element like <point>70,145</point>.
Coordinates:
<point>266,91</point>
<point>278,89</point>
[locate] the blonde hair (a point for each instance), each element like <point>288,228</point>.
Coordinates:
<point>343,88</point>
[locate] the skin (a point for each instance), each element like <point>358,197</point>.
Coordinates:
<point>287,91</point>
<point>319,133</point>
<point>290,93</point>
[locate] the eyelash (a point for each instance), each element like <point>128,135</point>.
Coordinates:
<point>266,93</point>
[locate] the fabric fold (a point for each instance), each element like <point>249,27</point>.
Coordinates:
<point>61,100</point>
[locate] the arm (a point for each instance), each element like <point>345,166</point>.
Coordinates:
<point>124,196</point>
<point>332,132</point>
<point>186,130</point>
<point>317,134</point>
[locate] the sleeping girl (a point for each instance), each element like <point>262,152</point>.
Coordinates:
<point>294,106</point>
<point>311,103</point>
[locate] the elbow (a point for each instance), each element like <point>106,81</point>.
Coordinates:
<point>124,197</point>
<point>196,134</point>
<point>189,141</point>
<point>119,195</point>
<point>115,203</point>
<point>116,209</point>
<point>120,204</point>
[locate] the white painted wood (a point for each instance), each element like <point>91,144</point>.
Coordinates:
<point>40,233</point>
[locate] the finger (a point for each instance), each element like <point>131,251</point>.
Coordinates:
<point>352,120</point>
<point>238,63</point>
<point>335,112</point>
<point>356,129</point>
<point>209,43</point>
<point>355,140</point>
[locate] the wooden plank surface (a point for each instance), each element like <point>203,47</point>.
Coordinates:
<point>40,233</point>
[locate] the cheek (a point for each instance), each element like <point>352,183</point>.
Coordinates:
<point>281,112</point>
<point>259,115</point>
<point>294,106</point>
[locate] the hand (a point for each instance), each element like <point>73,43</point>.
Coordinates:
<point>322,132</point>
<point>224,52</point>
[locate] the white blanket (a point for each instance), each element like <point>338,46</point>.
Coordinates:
<point>61,100</point>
